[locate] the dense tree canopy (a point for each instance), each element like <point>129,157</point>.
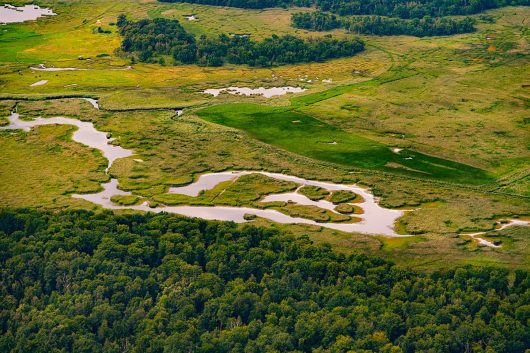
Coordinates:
<point>316,21</point>
<point>426,26</point>
<point>248,4</point>
<point>413,9</point>
<point>391,8</point>
<point>379,25</point>
<point>151,38</point>
<point>83,282</point>
<point>385,17</point>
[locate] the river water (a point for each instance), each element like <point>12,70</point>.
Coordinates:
<point>375,219</point>
<point>246,91</point>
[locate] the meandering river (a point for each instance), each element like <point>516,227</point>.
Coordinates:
<point>85,134</point>
<point>375,220</point>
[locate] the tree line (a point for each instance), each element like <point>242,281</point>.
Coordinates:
<point>385,17</point>
<point>390,8</point>
<point>379,25</point>
<point>152,39</point>
<point>77,281</point>
<point>413,9</point>
<point>248,4</point>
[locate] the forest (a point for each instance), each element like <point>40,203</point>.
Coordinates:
<point>390,8</point>
<point>152,39</point>
<point>77,281</point>
<point>379,25</point>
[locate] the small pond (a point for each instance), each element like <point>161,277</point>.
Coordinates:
<point>246,91</point>
<point>13,14</point>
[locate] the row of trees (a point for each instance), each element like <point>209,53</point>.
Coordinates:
<point>152,38</point>
<point>316,21</point>
<point>249,4</point>
<point>378,25</point>
<point>82,282</point>
<point>424,27</point>
<point>390,8</point>
<point>413,9</point>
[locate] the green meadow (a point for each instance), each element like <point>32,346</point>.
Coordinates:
<point>308,136</point>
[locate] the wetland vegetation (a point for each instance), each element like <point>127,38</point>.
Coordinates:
<point>377,100</point>
<point>399,8</point>
<point>308,136</point>
<point>431,129</point>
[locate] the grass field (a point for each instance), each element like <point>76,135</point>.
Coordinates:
<point>59,41</point>
<point>176,151</point>
<point>452,97</point>
<point>305,135</point>
<point>457,105</point>
<point>423,103</point>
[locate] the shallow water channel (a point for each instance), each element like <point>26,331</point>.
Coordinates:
<point>85,134</point>
<point>510,223</point>
<point>375,219</point>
